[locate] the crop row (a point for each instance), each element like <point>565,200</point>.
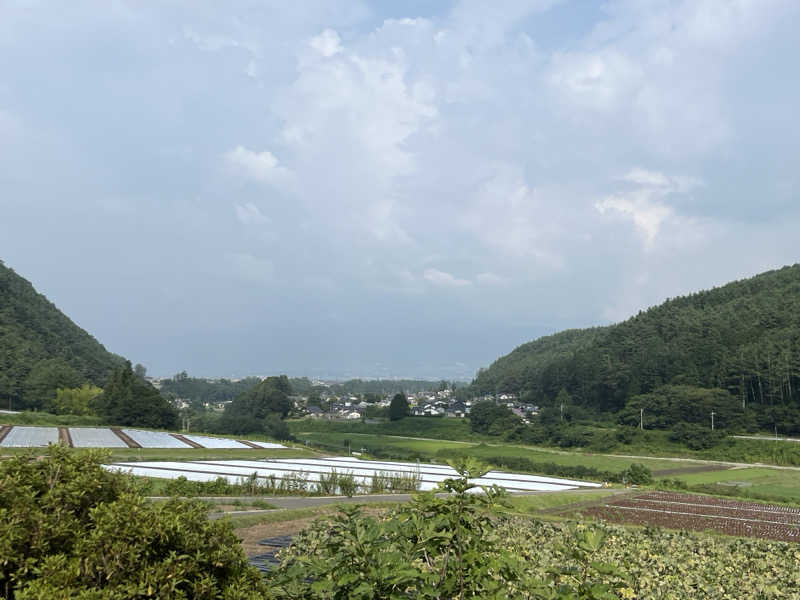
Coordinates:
<point>700,513</point>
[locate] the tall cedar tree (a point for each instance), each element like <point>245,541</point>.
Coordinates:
<point>398,408</point>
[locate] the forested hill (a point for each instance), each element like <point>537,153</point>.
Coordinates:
<point>41,348</point>
<point>743,337</point>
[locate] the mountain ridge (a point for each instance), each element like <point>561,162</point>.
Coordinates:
<point>741,337</point>
<point>42,348</point>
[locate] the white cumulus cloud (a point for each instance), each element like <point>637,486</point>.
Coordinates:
<point>327,43</point>
<point>261,166</point>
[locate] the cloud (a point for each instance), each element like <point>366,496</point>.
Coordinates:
<point>645,204</point>
<point>260,166</point>
<point>327,43</point>
<point>444,279</point>
<point>543,161</point>
<point>647,214</point>
<point>601,81</point>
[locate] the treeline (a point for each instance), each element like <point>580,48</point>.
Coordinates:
<point>41,349</point>
<point>742,338</point>
<point>385,387</point>
<point>201,391</point>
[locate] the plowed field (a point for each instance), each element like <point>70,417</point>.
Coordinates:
<point>702,513</point>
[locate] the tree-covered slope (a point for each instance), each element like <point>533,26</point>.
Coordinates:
<point>743,337</point>
<point>41,348</point>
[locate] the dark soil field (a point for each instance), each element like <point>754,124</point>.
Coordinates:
<point>701,513</point>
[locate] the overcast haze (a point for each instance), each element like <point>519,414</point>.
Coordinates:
<point>399,188</point>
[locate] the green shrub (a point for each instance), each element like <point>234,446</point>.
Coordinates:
<point>637,474</point>
<point>71,529</point>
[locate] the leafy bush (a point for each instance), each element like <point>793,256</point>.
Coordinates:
<point>637,474</point>
<point>348,486</point>
<point>71,529</point>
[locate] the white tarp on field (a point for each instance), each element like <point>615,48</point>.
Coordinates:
<point>214,442</point>
<point>154,439</point>
<point>95,437</point>
<point>103,437</point>
<point>362,471</point>
<point>30,437</point>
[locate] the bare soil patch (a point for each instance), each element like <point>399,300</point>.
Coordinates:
<point>701,513</point>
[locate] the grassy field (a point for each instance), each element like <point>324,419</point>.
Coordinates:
<point>536,502</point>
<point>336,442</point>
<point>653,443</point>
<point>562,457</point>
<point>381,445</point>
<point>423,427</point>
<point>757,482</point>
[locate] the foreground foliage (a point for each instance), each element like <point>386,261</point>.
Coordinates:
<point>435,547</point>
<point>458,547</point>
<point>69,529</point>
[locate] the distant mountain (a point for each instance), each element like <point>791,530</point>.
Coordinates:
<point>41,349</point>
<point>743,337</point>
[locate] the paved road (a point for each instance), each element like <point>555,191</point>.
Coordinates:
<point>766,438</point>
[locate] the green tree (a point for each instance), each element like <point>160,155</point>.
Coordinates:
<point>398,408</point>
<point>269,396</point>
<point>130,400</point>
<point>489,417</point>
<point>75,401</point>
<point>45,378</point>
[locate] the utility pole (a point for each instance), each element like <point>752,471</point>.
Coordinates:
<point>712,420</point>
<point>562,411</point>
<point>641,418</point>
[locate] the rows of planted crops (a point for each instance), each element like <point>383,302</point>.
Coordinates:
<point>702,513</point>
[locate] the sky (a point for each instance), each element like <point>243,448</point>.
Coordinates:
<point>344,188</point>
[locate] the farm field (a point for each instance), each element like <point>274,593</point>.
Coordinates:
<point>22,436</point>
<point>29,437</point>
<point>307,474</point>
<point>440,450</point>
<point>701,513</point>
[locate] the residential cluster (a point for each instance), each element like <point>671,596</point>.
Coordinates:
<point>441,403</point>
